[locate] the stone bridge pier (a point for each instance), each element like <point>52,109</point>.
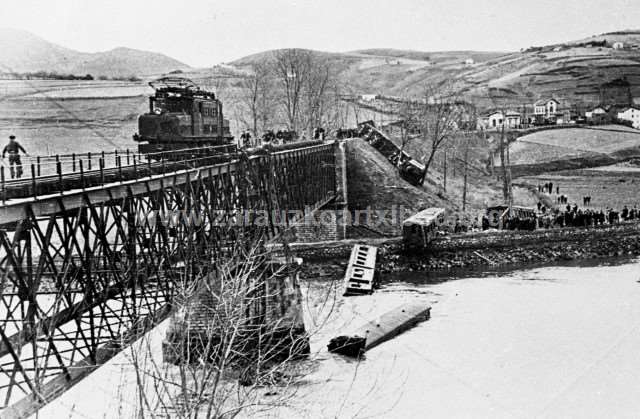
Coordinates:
<point>251,317</point>
<point>328,222</point>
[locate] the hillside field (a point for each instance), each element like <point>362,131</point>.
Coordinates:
<point>58,117</point>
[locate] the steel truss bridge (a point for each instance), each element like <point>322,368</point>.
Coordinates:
<point>91,256</point>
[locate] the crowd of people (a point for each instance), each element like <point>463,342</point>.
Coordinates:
<point>574,216</point>
<point>279,137</point>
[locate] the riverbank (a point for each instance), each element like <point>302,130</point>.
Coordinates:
<point>484,249</point>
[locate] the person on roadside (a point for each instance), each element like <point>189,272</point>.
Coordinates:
<point>15,164</point>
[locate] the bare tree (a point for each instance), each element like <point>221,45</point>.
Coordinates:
<point>256,99</point>
<point>229,339</point>
<point>308,88</point>
<point>408,123</point>
<point>438,118</point>
<point>291,69</point>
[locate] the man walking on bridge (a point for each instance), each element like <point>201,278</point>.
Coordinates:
<point>14,148</point>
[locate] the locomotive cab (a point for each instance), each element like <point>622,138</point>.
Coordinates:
<point>181,116</point>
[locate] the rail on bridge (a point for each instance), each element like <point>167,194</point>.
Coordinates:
<point>88,262</point>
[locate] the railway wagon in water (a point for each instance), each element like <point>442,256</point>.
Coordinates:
<point>182,116</point>
<point>421,228</point>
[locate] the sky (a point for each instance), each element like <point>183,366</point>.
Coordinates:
<point>206,32</point>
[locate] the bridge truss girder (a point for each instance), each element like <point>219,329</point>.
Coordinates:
<point>86,272</point>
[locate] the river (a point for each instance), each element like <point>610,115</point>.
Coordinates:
<point>555,341</point>
<point>547,341</point>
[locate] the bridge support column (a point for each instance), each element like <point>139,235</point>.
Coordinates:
<point>258,317</point>
<point>329,222</point>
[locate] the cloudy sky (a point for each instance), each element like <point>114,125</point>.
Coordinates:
<point>205,32</point>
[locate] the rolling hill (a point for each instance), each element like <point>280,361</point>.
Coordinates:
<point>23,51</point>
<point>575,72</point>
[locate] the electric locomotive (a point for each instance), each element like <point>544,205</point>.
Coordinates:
<point>182,116</point>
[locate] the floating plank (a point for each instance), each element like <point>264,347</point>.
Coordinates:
<point>375,332</point>
<point>360,275</point>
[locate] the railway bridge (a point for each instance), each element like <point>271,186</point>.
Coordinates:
<point>92,247</point>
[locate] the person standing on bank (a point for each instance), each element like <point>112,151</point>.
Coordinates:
<point>14,148</point>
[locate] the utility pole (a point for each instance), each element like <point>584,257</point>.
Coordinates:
<point>509,177</point>
<point>464,188</point>
<point>445,170</point>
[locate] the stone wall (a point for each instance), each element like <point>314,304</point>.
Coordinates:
<point>326,224</point>
<point>485,250</point>
<point>322,225</point>
<point>511,238</point>
<point>520,247</point>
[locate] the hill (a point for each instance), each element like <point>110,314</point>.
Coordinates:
<point>575,72</point>
<point>23,52</point>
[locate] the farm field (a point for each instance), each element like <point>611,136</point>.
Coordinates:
<point>526,152</point>
<point>584,147</point>
<point>60,117</point>
<point>613,189</point>
<point>598,139</point>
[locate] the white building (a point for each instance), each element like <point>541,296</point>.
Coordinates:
<point>618,45</point>
<point>469,61</point>
<point>599,110</point>
<point>496,120</point>
<point>546,107</point>
<point>368,98</point>
<point>631,114</point>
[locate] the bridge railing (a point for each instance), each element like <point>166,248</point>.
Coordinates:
<point>42,166</point>
<point>58,173</point>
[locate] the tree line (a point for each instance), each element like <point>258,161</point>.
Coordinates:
<point>294,89</point>
<point>52,75</point>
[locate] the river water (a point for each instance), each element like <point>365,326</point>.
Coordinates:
<point>555,341</point>
<point>548,341</point>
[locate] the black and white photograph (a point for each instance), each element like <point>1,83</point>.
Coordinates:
<point>220,209</point>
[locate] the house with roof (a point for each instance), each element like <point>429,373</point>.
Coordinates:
<point>630,114</point>
<point>497,119</point>
<point>601,114</point>
<point>546,108</point>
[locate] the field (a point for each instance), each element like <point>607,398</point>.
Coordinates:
<point>51,117</point>
<point>607,189</point>
<point>608,142</point>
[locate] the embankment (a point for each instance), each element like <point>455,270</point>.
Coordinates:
<point>486,249</point>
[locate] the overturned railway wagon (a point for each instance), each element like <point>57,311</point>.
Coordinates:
<point>410,169</point>
<point>182,116</point>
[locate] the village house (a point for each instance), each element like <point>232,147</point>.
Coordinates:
<point>545,108</point>
<point>368,98</point>
<point>631,114</point>
<point>598,110</point>
<point>618,45</point>
<point>495,120</point>
<point>598,115</point>
<point>469,62</point>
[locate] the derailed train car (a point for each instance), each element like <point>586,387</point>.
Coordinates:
<point>409,168</point>
<point>182,116</point>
